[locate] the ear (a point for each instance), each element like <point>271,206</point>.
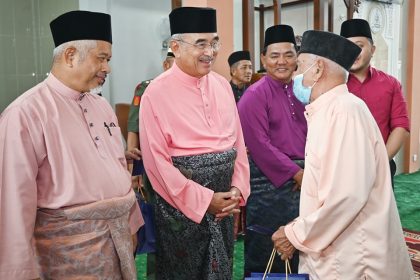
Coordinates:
<point>263,60</point>
<point>319,69</point>
<point>165,65</point>
<point>69,56</point>
<point>373,49</point>
<point>175,48</point>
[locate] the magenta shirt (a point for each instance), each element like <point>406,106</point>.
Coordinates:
<point>274,128</point>
<point>383,95</point>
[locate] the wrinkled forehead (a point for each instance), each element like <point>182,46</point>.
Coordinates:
<point>200,37</point>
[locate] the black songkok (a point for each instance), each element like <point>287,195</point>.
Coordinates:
<point>279,34</point>
<point>355,28</point>
<point>332,46</point>
<point>81,25</point>
<point>193,20</point>
<point>237,56</point>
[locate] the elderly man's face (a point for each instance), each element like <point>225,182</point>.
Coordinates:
<point>91,72</point>
<point>280,61</point>
<point>242,71</point>
<point>196,53</point>
<point>364,58</point>
<point>305,63</point>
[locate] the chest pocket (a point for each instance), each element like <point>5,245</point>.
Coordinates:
<point>113,139</point>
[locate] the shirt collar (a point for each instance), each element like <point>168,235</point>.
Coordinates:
<point>324,99</point>
<point>64,90</point>
<point>369,75</point>
<point>278,84</point>
<point>187,79</point>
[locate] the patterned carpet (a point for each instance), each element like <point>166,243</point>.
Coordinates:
<point>407,194</point>
<point>413,242</point>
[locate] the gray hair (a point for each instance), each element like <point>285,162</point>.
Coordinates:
<point>333,69</point>
<point>82,46</point>
<point>177,37</point>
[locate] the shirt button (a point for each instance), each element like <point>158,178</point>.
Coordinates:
<point>293,104</point>
<point>293,113</point>
<point>97,138</point>
<point>90,124</point>
<point>85,110</point>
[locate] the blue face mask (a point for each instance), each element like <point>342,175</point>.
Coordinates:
<point>301,92</point>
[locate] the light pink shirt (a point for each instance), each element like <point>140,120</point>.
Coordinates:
<point>348,226</point>
<point>55,152</point>
<point>182,115</point>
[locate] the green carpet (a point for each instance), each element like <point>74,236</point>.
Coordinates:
<point>407,194</point>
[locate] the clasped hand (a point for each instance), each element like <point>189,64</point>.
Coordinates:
<point>225,203</point>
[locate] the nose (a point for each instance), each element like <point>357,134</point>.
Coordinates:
<point>106,67</point>
<point>208,50</point>
<point>281,60</point>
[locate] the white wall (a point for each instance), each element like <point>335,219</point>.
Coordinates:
<point>138,29</point>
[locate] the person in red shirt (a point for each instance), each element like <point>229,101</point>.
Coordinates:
<point>381,92</point>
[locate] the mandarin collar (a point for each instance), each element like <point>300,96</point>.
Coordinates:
<point>324,99</point>
<point>279,84</point>
<point>187,79</point>
<point>64,90</point>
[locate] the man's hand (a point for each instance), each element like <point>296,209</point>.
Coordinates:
<point>136,182</point>
<point>224,203</point>
<point>133,153</point>
<point>282,244</point>
<point>298,179</point>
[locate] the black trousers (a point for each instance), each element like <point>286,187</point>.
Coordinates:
<point>393,168</point>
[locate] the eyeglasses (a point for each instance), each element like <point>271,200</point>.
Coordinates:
<point>215,45</point>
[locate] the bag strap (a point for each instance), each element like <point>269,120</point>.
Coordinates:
<point>270,265</point>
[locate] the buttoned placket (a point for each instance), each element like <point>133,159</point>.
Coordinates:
<point>289,94</point>
<point>206,103</point>
<point>93,131</point>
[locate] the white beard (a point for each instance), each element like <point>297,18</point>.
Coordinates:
<point>96,90</point>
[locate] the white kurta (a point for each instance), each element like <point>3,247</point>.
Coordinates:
<point>349,227</point>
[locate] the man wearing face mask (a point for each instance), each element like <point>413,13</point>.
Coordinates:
<point>274,129</point>
<point>381,92</point>
<point>348,226</point>
<point>194,154</point>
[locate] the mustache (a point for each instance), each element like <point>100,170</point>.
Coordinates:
<point>206,58</point>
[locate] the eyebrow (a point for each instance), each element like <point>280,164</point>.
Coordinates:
<point>279,53</point>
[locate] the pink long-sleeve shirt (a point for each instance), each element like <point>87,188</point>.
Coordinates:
<point>183,115</point>
<point>348,227</point>
<point>55,152</point>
